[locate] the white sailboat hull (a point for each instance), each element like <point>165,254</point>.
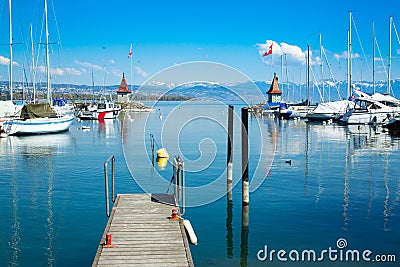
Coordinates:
<point>38,125</point>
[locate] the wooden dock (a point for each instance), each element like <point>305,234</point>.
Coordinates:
<point>143,235</point>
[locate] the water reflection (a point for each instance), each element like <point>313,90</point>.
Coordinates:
<point>306,158</point>
<point>370,139</point>
<point>359,157</point>
<point>229,231</point>
<point>244,237</point>
<point>37,153</point>
<point>108,128</point>
<point>16,221</point>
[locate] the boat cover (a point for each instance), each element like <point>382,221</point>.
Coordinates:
<point>335,107</point>
<point>41,110</point>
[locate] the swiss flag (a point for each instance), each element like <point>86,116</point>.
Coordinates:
<point>269,51</point>
<point>130,52</point>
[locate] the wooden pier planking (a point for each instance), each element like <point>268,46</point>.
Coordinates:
<point>142,235</point>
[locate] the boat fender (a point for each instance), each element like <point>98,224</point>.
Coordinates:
<point>190,232</point>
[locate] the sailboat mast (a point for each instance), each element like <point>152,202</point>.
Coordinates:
<point>47,54</point>
<point>308,76</point>
<point>349,57</point>
<point>322,65</point>
<point>390,53</point>
<point>373,56</point>
<point>33,66</point>
<point>22,82</point>
<point>282,71</point>
<point>92,88</point>
<point>11,51</point>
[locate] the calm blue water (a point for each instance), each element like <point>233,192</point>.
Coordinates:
<point>342,183</point>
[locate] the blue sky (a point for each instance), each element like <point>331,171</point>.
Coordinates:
<point>97,34</point>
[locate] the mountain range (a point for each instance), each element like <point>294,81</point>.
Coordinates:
<point>250,92</point>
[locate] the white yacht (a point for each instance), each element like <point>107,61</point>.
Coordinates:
<point>368,110</point>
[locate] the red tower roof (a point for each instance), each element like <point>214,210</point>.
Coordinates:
<point>274,89</point>
<point>123,88</point>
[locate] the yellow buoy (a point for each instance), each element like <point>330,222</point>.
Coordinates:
<point>162,153</point>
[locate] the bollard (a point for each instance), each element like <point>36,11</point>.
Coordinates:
<point>245,155</point>
<point>174,215</point>
<point>108,243</point>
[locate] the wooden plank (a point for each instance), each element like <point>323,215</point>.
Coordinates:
<point>143,235</point>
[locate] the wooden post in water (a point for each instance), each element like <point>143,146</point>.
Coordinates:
<point>245,156</point>
<point>229,155</point>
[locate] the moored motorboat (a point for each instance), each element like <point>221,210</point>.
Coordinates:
<point>369,111</point>
<point>106,110</point>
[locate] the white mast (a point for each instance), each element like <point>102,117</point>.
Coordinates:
<point>308,76</point>
<point>33,66</point>
<point>22,82</point>
<point>390,52</point>
<point>373,56</point>
<point>47,54</point>
<point>349,57</point>
<point>322,65</point>
<point>11,52</point>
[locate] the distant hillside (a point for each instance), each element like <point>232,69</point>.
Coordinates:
<point>249,92</point>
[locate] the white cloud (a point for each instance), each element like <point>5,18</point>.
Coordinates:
<point>73,71</point>
<point>115,72</point>
<point>4,60</point>
<point>60,71</point>
<point>88,65</point>
<point>344,54</point>
<point>294,54</point>
<point>317,61</point>
<point>140,72</point>
<point>111,61</point>
<point>57,71</point>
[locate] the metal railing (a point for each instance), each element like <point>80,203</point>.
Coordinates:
<point>112,159</point>
<point>179,181</point>
<point>178,178</point>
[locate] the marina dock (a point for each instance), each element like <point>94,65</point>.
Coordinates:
<point>143,235</point>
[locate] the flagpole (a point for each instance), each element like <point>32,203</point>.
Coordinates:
<point>131,73</point>
<point>130,57</point>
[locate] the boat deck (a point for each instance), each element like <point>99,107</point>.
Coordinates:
<point>143,235</point>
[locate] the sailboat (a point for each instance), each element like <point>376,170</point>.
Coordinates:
<point>378,108</point>
<point>39,118</point>
<point>334,110</point>
<point>7,107</point>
